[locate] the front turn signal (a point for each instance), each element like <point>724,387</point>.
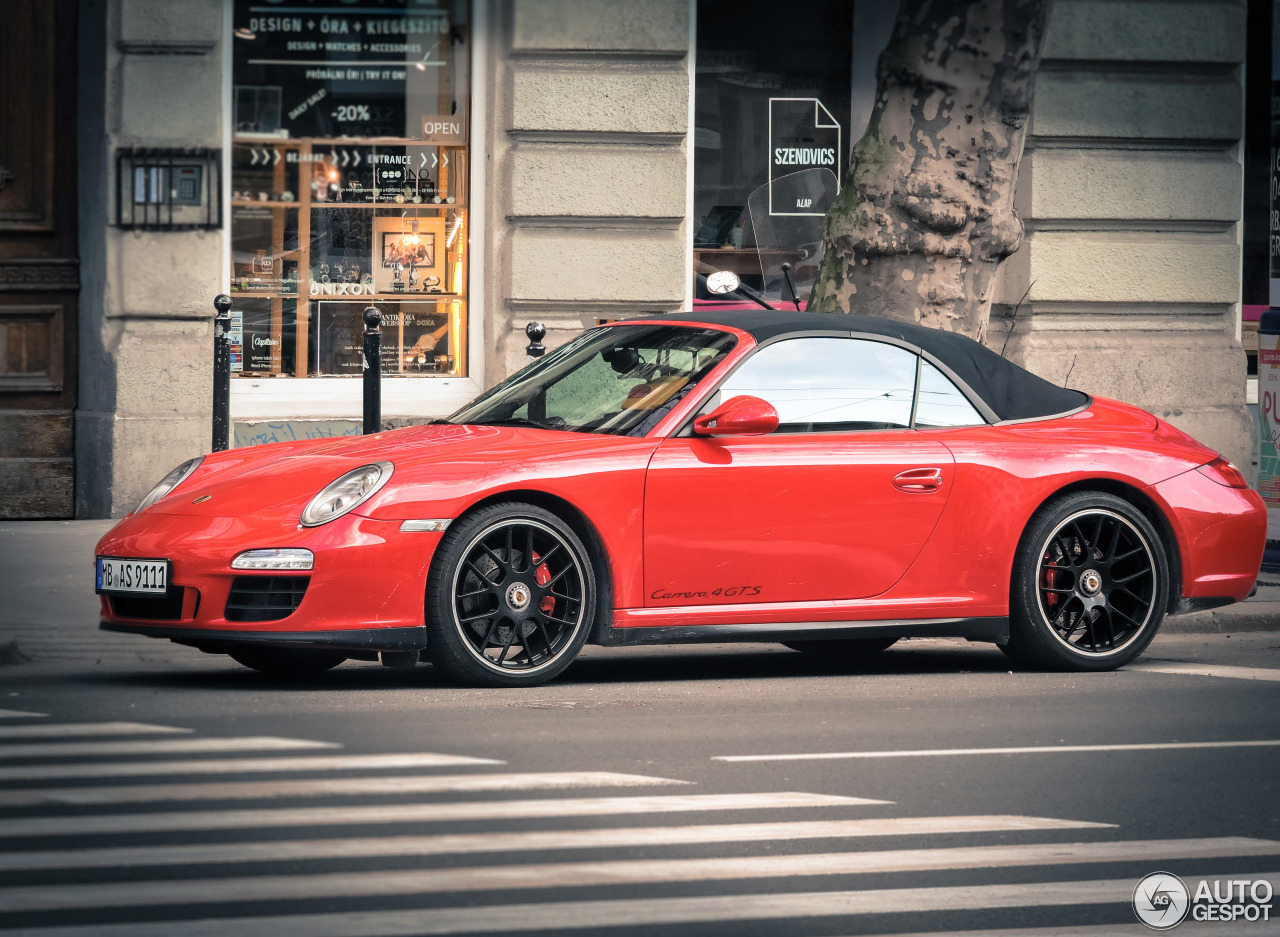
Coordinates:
<point>1224,473</point>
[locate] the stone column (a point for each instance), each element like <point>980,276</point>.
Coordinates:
<point>589,118</point>
<point>154,69</point>
<point>1129,278</point>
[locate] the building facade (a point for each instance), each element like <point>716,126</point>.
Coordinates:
<point>469,166</point>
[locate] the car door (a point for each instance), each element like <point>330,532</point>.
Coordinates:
<point>835,504</point>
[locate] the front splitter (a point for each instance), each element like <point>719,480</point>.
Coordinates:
<point>364,639</point>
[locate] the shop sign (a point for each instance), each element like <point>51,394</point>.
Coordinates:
<point>321,69</point>
<point>1269,429</point>
<point>341,289</point>
<point>399,174</point>
<point>803,134</point>
<point>445,129</point>
<point>235,336</point>
<point>261,350</point>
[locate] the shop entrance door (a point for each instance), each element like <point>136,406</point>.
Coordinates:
<point>39,279</point>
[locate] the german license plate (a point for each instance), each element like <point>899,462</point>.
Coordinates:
<point>118,574</point>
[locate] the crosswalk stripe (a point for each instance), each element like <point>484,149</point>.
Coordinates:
<point>1187,668</point>
<point>110,769</point>
<point>587,874</point>
<point>324,787</point>
<point>600,915</point>
<point>19,714</point>
<point>65,729</point>
<point>525,841</point>
<point>185,746</point>
<point>1029,750</point>
<point>416,813</point>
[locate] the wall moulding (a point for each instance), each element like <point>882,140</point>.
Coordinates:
<point>40,275</point>
<point>160,47</point>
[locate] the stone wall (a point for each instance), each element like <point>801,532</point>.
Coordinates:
<point>588,122</point>
<point>154,73</point>
<point>1130,189</point>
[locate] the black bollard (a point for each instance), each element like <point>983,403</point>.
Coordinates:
<point>372,370</point>
<point>536,332</point>
<point>222,373</point>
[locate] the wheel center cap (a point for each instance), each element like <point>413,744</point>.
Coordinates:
<point>1090,581</point>
<point>518,596</point>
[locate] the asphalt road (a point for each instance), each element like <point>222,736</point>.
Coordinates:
<point>184,795</point>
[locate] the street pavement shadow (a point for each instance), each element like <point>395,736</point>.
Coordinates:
<point>596,665</point>
<point>721,662</point>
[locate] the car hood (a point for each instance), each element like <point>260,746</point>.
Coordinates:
<point>286,478</point>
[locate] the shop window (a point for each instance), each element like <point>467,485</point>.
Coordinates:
<point>772,98</point>
<point>349,180</point>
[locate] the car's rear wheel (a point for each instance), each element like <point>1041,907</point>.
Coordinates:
<point>510,597</point>
<point>285,661</point>
<point>848,648</point>
<point>1090,585</point>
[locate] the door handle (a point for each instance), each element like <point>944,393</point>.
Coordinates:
<point>918,480</point>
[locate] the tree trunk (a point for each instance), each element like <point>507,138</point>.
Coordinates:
<point>926,213</point>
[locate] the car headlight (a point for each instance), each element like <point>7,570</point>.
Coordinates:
<point>170,482</point>
<point>346,493</point>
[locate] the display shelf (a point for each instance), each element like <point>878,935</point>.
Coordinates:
<point>407,205</point>
<point>415,296</point>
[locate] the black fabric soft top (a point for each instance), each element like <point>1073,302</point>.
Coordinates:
<point>1011,392</point>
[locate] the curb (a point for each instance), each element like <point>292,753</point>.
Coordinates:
<point>1246,616</point>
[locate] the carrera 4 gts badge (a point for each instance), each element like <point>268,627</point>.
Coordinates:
<point>729,593</point>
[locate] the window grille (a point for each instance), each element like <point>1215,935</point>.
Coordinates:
<point>169,189</point>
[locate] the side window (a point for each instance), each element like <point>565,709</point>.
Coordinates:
<point>941,403</point>
<point>830,385</point>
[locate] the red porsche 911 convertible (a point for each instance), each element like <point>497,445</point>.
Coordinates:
<point>830,482</point>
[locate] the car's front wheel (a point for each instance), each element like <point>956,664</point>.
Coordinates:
<point>510,597</point>
<point>1090,585</point>
<point>284,661</point>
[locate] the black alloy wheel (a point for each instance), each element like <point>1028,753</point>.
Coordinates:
<point>1091,583</point>
<point>510,597</point>
<point>285,661</point>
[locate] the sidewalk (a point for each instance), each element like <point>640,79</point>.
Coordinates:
<point>50,612</point>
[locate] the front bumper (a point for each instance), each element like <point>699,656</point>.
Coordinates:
<point>366,590</point>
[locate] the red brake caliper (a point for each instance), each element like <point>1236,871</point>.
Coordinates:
<point>542,576</point>
<point>1051,581</point>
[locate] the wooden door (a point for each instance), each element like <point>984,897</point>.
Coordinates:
<point>39,279</point>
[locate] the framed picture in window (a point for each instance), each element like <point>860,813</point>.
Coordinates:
<point>410,252</point>
<point>395,249</point>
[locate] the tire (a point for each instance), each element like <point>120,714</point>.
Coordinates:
<point>1090,585</point>
<point>847,648</point>
<point>285,661</point>
<point>511,597</point>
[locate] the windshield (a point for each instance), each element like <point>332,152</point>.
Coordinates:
<point>620,379</point>
<point>745,255</point>
<point>786,216</point>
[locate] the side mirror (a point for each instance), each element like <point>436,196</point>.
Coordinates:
<point>739,416</point>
